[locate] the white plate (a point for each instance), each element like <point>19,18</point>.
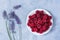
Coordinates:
<point>33,12</point>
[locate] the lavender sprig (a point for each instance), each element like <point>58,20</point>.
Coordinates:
<point>8,31</point>
<point>17,7</point>
<point>5,16</point>
<point>12,26</point>
<point>17,19</point>
<point>9,18</point>
<point>13,15</point>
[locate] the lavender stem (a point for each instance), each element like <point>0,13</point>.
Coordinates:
<point>8,32</point>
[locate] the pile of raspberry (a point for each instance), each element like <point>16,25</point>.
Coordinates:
<point>39,22</point>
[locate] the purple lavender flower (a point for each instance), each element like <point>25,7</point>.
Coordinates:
<point>13,15</point>
<point>17,6</point>
<point>17,19</point>
<point>12,26</point>
<point>5,14</point>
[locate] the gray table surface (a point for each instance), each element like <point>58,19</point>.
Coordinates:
<point>52,6</point>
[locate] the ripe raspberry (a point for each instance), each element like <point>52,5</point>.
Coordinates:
<point>39,22</point>
<point>34,29</point>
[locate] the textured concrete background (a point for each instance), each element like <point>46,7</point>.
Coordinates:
<point>52,6</point>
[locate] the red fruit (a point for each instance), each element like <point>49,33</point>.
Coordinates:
<point>49,23</point>
<point>45,17</point>
<point>32,16</point>
<point>44,28</point>
<point>34,29</point>
<point>30,21</point>
<point>38,26</point>
<point>31,24</point>
<point>39,12</point>
<point>38,15</point>
<point>41,31</point>
<point>44,21</point>
<point>35,21</point>
<point>39,22</point>
<point>49,17</point>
